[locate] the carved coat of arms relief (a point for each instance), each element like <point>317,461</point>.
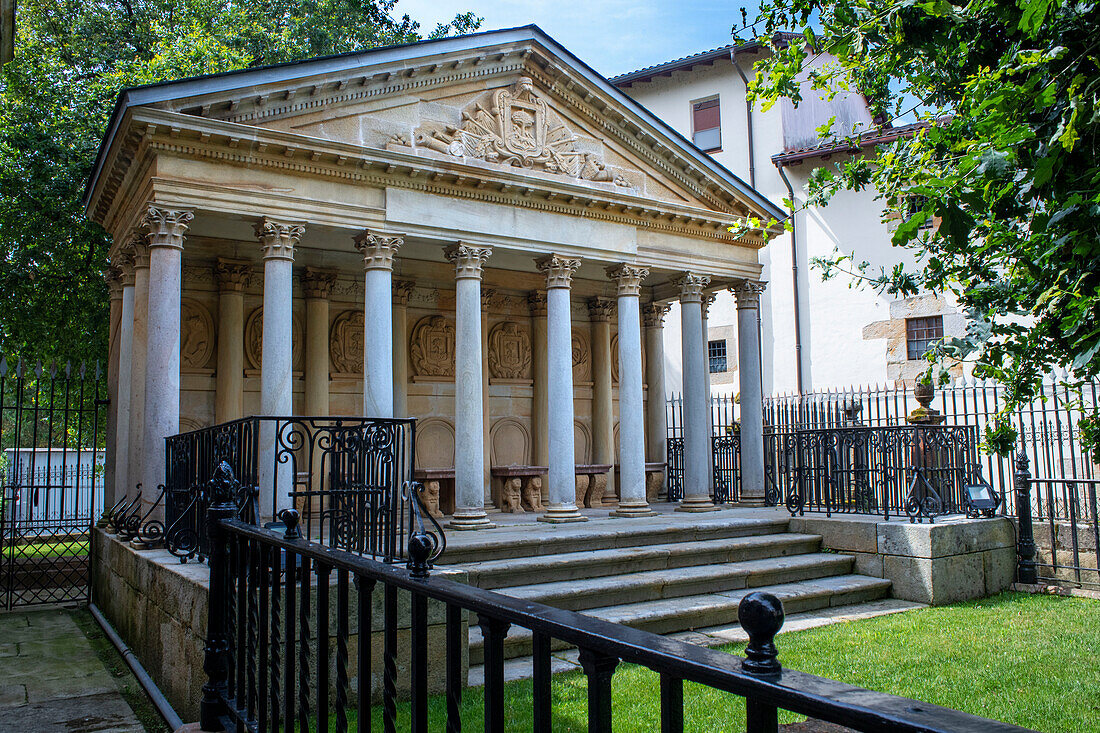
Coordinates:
<point>515,126</point>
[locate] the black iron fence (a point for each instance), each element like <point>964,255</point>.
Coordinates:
<point>344,476</point>
<point>52,420</point>
<point>280,655</point>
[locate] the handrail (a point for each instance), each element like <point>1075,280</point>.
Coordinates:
<point>802,693</point>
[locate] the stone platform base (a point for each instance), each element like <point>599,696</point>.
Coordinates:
<point>954,559</point>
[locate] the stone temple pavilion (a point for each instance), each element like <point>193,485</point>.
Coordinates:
<point>479,232</point>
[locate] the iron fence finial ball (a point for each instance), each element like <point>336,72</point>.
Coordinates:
<point>420,551</point>
<point>761,615</point>
<point>290,518</point>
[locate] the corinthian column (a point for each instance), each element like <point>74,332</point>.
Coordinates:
<point>752,407</point>
<point>277,241</point>
<point>232,276</point>
<point>632,498</point>
<point>165,228</point>
<point>123,403</point>
<point>402,291</point>
<point>559,336</point>
<point>705,303</point>
<point>697,465</point>
<point>600,311</point>
<point>540,400</point>
<point>469,405</point>
<point>378,252</point>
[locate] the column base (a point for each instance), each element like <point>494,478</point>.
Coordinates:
<point>562,513</point>
<point>751,502</point>
<point>700,504</point>
<point>626,511</point>
<point>465,522</point>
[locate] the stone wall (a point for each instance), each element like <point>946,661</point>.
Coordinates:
<point>159,606</point>
<point>945,562</point>
<point>1060,534</point>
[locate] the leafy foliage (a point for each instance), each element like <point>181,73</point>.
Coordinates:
<point>56,96</point>
<point>1007,165</point>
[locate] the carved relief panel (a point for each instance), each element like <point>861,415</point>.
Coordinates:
<point>346,343</point>
<point>509,351</point>
<point>432,350</point>
<point>196,335</point>
<point>582,367</point>
<point>254,339</point>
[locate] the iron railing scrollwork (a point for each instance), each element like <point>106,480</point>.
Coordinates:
<point>345,476</point>
<point>279,651</point>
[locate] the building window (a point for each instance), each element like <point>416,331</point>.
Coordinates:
<point>716,350</point>
<point>921,333</point>
<point>706,128</point>
<point>916,204</point>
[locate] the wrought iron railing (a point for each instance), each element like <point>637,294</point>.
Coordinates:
<point>1066,529</point>
<point>921,471</point>
<point>726,468</point>
<point>344,476</point>
<point>280,653</point>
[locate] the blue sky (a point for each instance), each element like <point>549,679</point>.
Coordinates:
<point>611,36</point>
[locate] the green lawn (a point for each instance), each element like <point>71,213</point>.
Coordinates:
<point>1025,659</point>
<point>72,548</point>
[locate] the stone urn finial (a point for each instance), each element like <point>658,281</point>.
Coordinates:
<point>924,392</point>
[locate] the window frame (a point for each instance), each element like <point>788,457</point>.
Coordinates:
<point>922,330</point>
<point>716,98</point>
<point>712,357</point>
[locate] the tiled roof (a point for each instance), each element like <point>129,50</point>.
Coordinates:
<point>877,136</point>
<point>687,62</point>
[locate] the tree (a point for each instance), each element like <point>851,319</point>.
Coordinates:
<point>1008,164</point>
<point>56,96</point>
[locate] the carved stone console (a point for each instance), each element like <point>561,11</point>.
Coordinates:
<point>518,488</point>
<point>591,484</point>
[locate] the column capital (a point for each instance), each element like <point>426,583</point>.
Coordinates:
<point>536,300</point>
<point>747,293</point>
<point>468,259</point>
<point>317,283</point>
<point>124,261</point>
<point>232,275</point>
<point>628,278</point>
<point>489,298</point>
<point>134,254</point>
<point>378,248</point>
<point>691,286</point>
<point>707,300</point>
<point>402,291</point>
<point>113,275</point>
<point>600,309</point>
<point>278,239</point>
<point>558,270</point>
<point>166,227</point>
<point>653,314</point>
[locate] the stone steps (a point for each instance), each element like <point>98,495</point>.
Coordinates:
<point>684,613</point>
<point>545,539</point>
<point>566,566</point>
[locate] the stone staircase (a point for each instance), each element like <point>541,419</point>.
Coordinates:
<point>666,574</point>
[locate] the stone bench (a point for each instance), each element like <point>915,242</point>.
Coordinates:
<point>518,488</point>
<point>591,483</point>
<point>439,489</point>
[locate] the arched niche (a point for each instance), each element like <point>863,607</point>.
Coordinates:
<point>509,443</point>
<point>435,443</point>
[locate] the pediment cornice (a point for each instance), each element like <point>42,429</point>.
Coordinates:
<point>152,132</point>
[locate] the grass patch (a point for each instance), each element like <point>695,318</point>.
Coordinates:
<point>128,686</point>
<point>1025,659</point>
<point>41,550</point>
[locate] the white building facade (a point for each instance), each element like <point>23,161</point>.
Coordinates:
<point>815,335</point>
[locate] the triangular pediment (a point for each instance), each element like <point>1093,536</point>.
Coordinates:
<point>510,102</point>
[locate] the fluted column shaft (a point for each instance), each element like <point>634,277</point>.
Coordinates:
<point>469,405</point>
<point>162,354</point>
<point>600,311</point>
<point>232,276</point>
<point>278,241</point>
<point>559,336</point>
<point>316,287</point>
<point>656,420</point>
<point>632,498</point>
<point>113,277</point>
<point>752,407</point>
<point>697,466</point>
<point>402,290</point>
<point>378,251</point>
<point>540,397</point>
<point>138,348</point>
<point>123,404</point>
